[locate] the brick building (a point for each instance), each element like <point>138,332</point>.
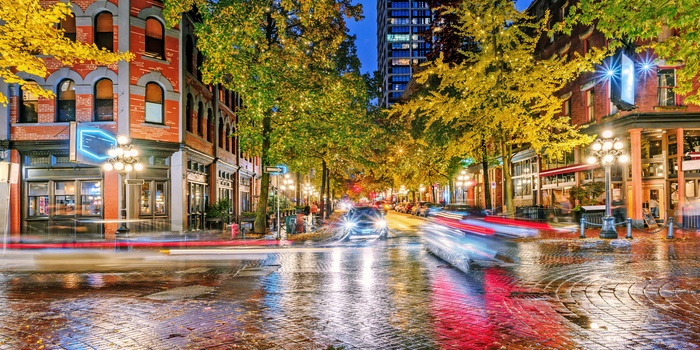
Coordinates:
<point>656,126</point>
<point>180,126</point>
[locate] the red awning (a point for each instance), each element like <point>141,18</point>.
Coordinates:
<point>568,169</point>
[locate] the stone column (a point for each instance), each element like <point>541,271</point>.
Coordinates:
<point>681,176</point>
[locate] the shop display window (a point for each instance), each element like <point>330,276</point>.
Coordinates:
<point>64,198</point>
<point>91,198</point>
<point>38,199</point>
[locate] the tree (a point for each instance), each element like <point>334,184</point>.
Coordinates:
<point>279,56</point>
<point>644,22</point>
<point>29,33</point>
<point>500,95</point>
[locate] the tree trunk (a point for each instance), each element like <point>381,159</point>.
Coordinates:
<point>485,170</point>
<point>328,193</point>
<point>261,217</point>
<point>324,184</point>
<point>507,181</point>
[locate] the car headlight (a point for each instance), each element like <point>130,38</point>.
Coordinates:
<point>349,225</point>
<point>380,224</point>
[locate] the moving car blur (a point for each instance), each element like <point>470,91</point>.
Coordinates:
<point>364,222</point>
<point>429,209</point>
<point>383,206</point>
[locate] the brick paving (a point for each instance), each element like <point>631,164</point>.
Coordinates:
<point>561,292</point>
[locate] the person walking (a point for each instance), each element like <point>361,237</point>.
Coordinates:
<point>654,207</point>
<point>619,212</point>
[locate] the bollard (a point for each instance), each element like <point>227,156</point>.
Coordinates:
<point>670,228</point>
<point>583,228</point>
<point>234,230</point>
<point>121,237</point>
<point>629,228</point>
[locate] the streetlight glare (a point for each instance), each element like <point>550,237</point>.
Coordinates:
<point>608,158</point>
<point>122,140</point>
<point>607,145</point>
<point>592,160</point>
<point>624,158</point>
<point>597,146</point>
<point>607,134</point>
<point>618,145</point>
<point>138,166</point>
<point>107,167</point>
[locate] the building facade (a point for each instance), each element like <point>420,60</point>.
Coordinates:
<point>400,48</point>
<point>658,129</point>
<point>181,127</point>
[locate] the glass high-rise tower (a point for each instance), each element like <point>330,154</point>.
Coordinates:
<point>399,45</point>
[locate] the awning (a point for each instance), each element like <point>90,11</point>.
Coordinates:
<point>568,169</point>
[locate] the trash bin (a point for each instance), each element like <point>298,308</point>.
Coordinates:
<point>121,238</point>
<point>290,223</point>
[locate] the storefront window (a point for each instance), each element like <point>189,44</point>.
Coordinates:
<point>64,198</point>
<point>146,198</point>
<point>90,198</point>
<point>38,199</point>
<point>159,208</point>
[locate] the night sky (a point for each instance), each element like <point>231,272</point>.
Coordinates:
<point>366,31</point>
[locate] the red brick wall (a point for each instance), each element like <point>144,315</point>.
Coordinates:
<point>199,144</point>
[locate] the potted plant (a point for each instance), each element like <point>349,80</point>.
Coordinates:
<point>219,212</point>
<point>585,194</point>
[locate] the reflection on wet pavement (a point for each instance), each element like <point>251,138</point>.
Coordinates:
<point>382,294</point>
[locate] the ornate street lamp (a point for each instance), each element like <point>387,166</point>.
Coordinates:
<point>421,189</point>
<point>124,159</point>
<point>607,151</point>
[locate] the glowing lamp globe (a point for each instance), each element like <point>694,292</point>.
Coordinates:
<point>592,160</point>
<point>607,145</point>
<point>107,167</point>
<point>607,134</point>
<point>120,152</point>
<point>112,152</point>
<point>118,166</point>
<point>128,167</point>
<point>597,146</point>
<point>624,158</point>
<point>133,153</point>
<point>138,166</point>
<point>618,145</point>
<point>608,158</point>
<point>122,140</point>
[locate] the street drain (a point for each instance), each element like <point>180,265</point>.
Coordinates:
<point>181,293</point>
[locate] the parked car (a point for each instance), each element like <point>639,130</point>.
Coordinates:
<point>382,206</point>
<point>365,222</point>
<point>416,208</point>
<point>407,208</point>
<point>430,209</point>
<point>400,207</point>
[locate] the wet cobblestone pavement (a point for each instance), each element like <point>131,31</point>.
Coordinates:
<point>560,292</point>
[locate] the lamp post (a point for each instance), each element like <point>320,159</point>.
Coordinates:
<point>124,159</point>
<point>606,151</point>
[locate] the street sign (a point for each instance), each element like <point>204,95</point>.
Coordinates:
<point>89,145</point>
<point>276,170</point>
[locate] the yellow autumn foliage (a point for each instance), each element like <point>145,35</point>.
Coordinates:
<point>29,35</point>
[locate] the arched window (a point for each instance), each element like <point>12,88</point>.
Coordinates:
<point>221,133</point>
<point>29,105</point>
<point>104,101</point>
<point>104,31</point>
<point>229,140</point>
<point>189,54</point>
<point>226,139</point>
<point>200,62</point>
<point>200,117</point>
<point>66,101</point>
<point>188,112</point>
<point>155,43</point>
<point>68,26</point>
<point>210,126</point>
<point>154,104</point>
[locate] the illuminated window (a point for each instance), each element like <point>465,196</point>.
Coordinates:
<point>566,108</point>
<point>104,31</point>
<point>667,81</point>
<point>590,105</point>
<point>154,104</point>
<point>29,105</point>
<point>155,45</point>
<point>66,101</point>
<point>104,100</point>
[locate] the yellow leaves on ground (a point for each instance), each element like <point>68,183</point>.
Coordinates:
<point>30,32</point>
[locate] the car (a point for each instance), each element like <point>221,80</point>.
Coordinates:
<point>382,206</point>
<point>407,208</point>
<point>462,211</point>
<point>430,209</point>
<point>399,207</point>
<point>416,208</point>
<point>365,222</point>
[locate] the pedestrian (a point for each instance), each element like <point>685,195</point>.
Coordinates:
<point>654,207</point>
<point>565,206</point>
<point>619,211</point>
